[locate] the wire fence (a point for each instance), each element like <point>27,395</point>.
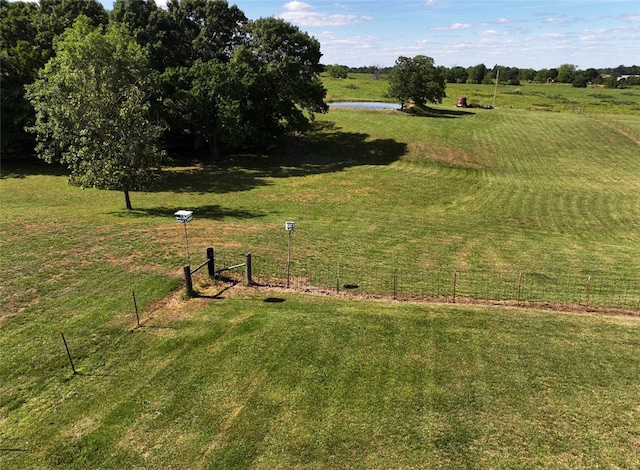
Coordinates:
<point>597,292</point>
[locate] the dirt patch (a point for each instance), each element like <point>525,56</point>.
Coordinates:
<point>428,152</point>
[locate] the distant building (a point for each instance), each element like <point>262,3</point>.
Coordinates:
<point>624,77</point>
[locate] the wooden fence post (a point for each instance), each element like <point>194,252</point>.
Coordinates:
<point>135,305</point>
<point>211,265</point>
<point>188,282</point>
<point>395,284</point>
<point>519,287</point>
<point>455,282</point>
<point>588,290</point>
<point>68,354</point>
<point>247,269</point>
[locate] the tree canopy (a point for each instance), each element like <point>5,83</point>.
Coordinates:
<point>416,79</point>
<point>92,109</point>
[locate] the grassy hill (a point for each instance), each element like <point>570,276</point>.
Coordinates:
<point>273,379</point>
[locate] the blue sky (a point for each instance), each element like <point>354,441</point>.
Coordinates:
<point>516,33</point>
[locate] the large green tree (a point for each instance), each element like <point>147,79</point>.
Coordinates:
<point>416,79</point>
<point>27,31</point>
<point>256,84</point>
<point>92,109</point>
<point>287,90</point>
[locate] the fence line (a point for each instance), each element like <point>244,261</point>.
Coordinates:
<point>522,288</point>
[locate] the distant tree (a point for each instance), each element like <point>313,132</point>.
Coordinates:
<point>476,73</point>
<point>611,81</point>
<point>92,108</point>
<point>490,78</point>
<point>337,71</point>
<point>418,80</point>
<point>542,75</point>
<point>592,75</point>
<point>457,75</point>
<point>567,73</point>
<point>527,74</point>
<point>377,71</point>
<point>579,80</point>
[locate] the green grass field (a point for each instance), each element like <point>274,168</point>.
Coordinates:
<point>258,378</point>
<point>556,97</point>
<point>315,382</point>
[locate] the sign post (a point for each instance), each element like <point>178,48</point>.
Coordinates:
<point>289,227</point>
<point>184,217</point>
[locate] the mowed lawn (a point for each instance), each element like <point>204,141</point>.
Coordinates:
<point>318,382</point>
<point>270,379</point>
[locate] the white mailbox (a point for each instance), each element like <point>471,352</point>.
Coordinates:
<point>289,226</point>
<point>184,217</point>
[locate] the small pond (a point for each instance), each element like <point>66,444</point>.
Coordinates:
<point>365,105</point>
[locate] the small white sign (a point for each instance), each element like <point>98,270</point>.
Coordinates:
<point>183,216</point>
<point>289,226</point>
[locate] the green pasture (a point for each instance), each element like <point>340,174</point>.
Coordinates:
<point>555,97</point>
<point>264,379</point>
<point>228,380</point>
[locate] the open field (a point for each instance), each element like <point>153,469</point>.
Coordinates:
<point>318,382</point>
<point>264,379</point>
<point>556,97</point>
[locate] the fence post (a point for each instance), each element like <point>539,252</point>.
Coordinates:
<point>73,368</point>
<point>588,290</point>
<point>135,305</point>
<point>395,284</point>
<point>519,287</point>
<point>188,283</point>
<point>455,282</point>
<point>247,269</point>
<point>211,265</point>
<point>338,278</point>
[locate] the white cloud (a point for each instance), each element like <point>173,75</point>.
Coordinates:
<point>297,6</point>
<point>453,27</point>
<point>630,18</point>
<point>304,14</point>
<point>489,32</point>
<point>430,3</point>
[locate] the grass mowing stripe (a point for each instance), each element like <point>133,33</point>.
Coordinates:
<point>317,382</point>
<point>309,381</point>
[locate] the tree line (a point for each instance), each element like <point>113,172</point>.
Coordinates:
<point>97,90</point>
<point>481,74</point>
<point>208,69</point>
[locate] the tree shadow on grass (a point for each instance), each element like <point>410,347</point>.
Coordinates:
<point>21,167</point>
<point>325,149</point>
<point>213,212</point>
<point>426,111</point>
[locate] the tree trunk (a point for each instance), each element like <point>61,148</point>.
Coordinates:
<point>214,147</point>
<point>127,200</point>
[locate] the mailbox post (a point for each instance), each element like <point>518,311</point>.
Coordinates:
<point>289,227</point>
<point>184,217</point>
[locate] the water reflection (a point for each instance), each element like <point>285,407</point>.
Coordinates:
<point>364,105</point>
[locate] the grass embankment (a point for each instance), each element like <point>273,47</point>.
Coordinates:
<point>246,383</point>
<point>298,380</point>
